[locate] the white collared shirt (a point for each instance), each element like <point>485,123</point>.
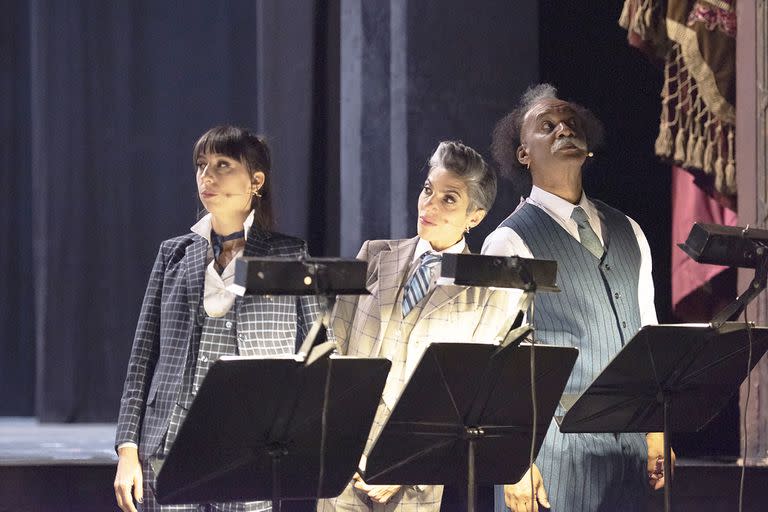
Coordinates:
<point>506,242</point>
<point>217,299</point>
<point>423,246</point>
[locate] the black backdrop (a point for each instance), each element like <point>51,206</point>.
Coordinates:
<point>101,102</point>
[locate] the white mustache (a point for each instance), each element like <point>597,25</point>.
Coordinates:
<point>565,141</point>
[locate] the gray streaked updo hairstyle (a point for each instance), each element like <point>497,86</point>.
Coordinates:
<point>469,166</point>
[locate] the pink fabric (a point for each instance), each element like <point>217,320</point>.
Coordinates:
<point>691,204</point>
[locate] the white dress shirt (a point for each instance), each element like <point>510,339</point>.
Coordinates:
<point>217,298</point>
<point>506,242</point>
<point>423,246</point>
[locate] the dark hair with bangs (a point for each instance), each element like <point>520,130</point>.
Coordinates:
<point>506,134</point>
<point>250,149</point>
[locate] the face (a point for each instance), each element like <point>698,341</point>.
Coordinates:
<point>443,205</point>
<point>552,134</point>
<point>224,184</point>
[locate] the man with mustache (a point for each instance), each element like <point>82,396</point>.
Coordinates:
<point>604,272</point>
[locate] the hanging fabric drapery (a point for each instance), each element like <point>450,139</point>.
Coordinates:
<point>696,41</point>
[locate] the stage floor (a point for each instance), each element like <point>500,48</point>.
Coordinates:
<point>71,467</point>
<point>27,442</point>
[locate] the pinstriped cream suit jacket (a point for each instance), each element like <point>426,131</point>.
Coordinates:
<point>265,325</point>
<point>451,314</point>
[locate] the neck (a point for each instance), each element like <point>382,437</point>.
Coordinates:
<point>439,247</point>
<point>227,224</point>
<point>565,184</point>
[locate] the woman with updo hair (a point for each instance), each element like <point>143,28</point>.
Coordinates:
<point>190,318</point>
<point>407,310</point>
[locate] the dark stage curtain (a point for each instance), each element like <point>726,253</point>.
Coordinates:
<point>101,104</point>
<point>17,329</point>
<point>352,96</point>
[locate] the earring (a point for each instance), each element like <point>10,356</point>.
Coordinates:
<point>466,230</point>
<point>528,166</point>
<point>257,192</point>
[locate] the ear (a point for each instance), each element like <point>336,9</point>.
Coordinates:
<point>476,217</point>
<point>522,155</point>
<point>257,180</point>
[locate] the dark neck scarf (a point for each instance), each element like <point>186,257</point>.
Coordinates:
<point>217,241</point>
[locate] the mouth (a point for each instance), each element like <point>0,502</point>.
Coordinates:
<point>567,146</point>
<point>425,222</point>
<point>207,194</point>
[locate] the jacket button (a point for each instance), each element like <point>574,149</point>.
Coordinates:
<point>204,358</point>
<point>607,267</point>
<point>228,325</point>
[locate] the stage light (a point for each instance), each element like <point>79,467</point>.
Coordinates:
<point>726,245</point>
<point>734,247</point>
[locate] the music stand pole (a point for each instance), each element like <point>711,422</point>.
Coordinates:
<point>471,491</point>
<point>667,453</point>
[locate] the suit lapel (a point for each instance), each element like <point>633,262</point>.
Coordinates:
<point>196,253</point>
<point>442,295</point>
<point>257,243</point>
<point>393,265</point>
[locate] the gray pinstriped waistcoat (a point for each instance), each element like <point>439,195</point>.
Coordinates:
<point>597,310</point>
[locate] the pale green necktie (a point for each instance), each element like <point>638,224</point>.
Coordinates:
<point>586,234</point>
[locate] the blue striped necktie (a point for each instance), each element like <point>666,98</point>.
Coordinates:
<point>418,284</point>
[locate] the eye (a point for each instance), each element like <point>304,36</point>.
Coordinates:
<point>451,199</point>
<point>547,126</point>
<point>222,164</point>
<point>427,189</point>
<point>200,165</point>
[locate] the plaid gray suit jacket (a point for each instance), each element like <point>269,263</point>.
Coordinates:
<point>166,324</point>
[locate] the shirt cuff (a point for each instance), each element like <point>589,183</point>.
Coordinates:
<point>127,444</point>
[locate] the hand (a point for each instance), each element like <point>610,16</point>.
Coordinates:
<point>656,460</point>
<point>377,493</point>
<point>518,496</point>
<point>128,478</point>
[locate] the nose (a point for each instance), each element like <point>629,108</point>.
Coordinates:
<point>564,130</point>
<point>429,202</point>
<point>205,174</point>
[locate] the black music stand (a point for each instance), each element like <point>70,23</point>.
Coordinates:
<point>670,378</point>
<point>255,430</point>
<point>322,277</point>
<point>258,424</point>
<point>465,416</point>
<point>472,401</point>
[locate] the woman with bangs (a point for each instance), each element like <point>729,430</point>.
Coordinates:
<point>189,318</point>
